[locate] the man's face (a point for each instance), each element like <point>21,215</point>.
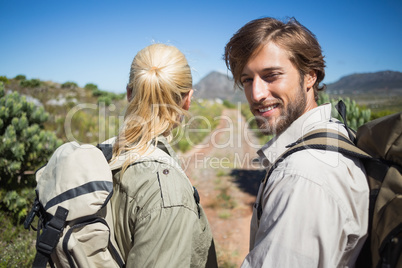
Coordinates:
<point>274,90</point>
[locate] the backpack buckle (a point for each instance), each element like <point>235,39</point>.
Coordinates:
<point>50,236</point>
<point>31,215</point>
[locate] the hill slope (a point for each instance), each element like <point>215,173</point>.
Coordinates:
<point>379,91</point>
<point>359,83</point>
<point>218,85</point>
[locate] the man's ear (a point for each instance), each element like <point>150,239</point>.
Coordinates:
<point>187,100</point>
<point>309,79</point>
<point>129,93</point>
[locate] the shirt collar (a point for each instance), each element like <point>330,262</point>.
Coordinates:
<point>309,121</point>
<point>164,145</point>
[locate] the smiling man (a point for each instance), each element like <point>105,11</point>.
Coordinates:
<point>312,210</point>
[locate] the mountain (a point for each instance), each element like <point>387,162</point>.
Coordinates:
<point>373,83</point>
<point>218,85</point>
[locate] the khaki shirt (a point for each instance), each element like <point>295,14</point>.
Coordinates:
<point>315,203</point>
<point>157,220</point>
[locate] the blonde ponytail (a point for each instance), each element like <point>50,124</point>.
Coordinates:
<point>159,79</point>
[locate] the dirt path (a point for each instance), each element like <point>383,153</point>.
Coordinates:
<point>223,171</point>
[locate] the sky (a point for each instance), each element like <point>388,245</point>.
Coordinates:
<point>94,41</point>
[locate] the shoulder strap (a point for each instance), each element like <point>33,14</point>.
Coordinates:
<point>320,139</point>
<point>49,238</point>
<point>107,150</point>
<point>341,108</point>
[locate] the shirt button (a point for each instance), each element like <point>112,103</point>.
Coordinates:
<point>166,171</point>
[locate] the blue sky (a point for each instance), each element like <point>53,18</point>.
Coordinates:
<point>94,41</point>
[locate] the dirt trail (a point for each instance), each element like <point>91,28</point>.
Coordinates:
<point>223,171</point>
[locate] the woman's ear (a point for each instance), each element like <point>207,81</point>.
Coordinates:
<point>187,100</point>
<point>129,93</point>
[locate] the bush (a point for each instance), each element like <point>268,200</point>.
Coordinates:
<point>105,100</point>
<point>30,83</point>
<point>97,93</point>
<point>112,96</point>
<point>4,79</point>
<point>25,146</point>
<point>17,203</point>
<point>91,87</point>
<point>20,77</point>
<point>381,114</point>
<point>355,115</point>
<point>228,104</point>
<point>69,85</point>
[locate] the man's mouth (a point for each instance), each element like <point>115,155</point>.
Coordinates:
<point>268,108</point>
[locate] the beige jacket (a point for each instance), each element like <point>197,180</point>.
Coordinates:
<point>157,220</point>
<point>315,203</point>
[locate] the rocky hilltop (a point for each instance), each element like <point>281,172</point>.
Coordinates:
<point>218,85</point>
<point>368,83</point>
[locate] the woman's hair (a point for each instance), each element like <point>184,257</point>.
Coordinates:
<point>300,43</point>
<point>159,79</point>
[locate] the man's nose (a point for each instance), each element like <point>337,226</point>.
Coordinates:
<point>260,90</point>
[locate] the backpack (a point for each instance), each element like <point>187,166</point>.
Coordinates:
<point>75,225</point>
<point>378,144</point>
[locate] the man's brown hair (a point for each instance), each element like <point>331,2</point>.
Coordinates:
<point>300,43</point>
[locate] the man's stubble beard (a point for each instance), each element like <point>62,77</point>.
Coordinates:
<point>294,110</point>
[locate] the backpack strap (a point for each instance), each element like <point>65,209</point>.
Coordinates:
<point>320,139</point>
<point>107,150</point>
<point>49,238</point>
<point>341,108</point>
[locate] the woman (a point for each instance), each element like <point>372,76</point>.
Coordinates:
<point>158,222</point>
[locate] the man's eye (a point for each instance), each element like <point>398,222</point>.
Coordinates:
<point>246,80</point>
<point>271,77</point>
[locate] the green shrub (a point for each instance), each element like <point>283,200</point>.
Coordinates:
<point>4,79</point>
<point>355,115</point>
<point>112,96</point>
<point>18,202</point>
<point>30,83</point>
<point>24,147</point>
<point>120,96</point>
<point>105,99</point>
<point>20,77</point>
<point>91,87</point>
<point>69,85</point>
<point>97,93</point>
<point>228,104</point>
<point>381,114</point>
<point>183,145</point>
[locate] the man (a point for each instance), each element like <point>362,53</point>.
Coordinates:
<point>314,205</point>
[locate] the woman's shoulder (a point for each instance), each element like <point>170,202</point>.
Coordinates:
<point>158,174</point>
